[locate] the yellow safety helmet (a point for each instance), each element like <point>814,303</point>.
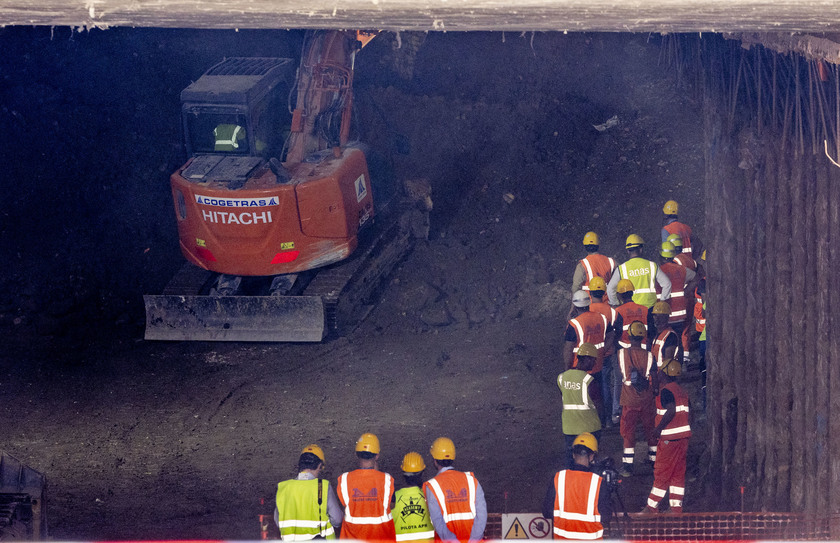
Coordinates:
<point>633,240</point>
<point>668,250</point>
<point>590,238</point>
<point>676,239</point>
<point>314,449</point>
<point>587,440</point>
<point>413,463</point>
<point>597,283</point>
<point>625,285</point>
<point>587,349</point>
<point>443,449</point>
<point>670,208</point>
<point>368,443</point>
<point>672,368</point>
<point>661,308</point>
<point>637,329</point>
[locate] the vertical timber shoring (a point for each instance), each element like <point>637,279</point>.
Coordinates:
<point>816,498</point>
<point>832,411</point>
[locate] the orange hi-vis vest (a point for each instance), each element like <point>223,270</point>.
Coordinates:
<point>610,314</point>
<point>684,232</point>
<point>631,311</point>
<point>590,327</point>
<point>679,427</point>
<point>366,496</point>
<point>678,301</point>
<point>659,345</point>
<point>455,494</point>
<point>699,317</point>
<point>576,514</point>
<point>685,259</point>
<point>597,265</point>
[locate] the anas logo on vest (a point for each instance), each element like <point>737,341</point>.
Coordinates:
<point>461,496</point>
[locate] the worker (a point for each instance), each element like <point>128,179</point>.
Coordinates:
<point>682,258</point>
<point>366,494</point>
<point>597,289</point>
<point>700,328</point>
<point>690,243</point>
<point>683,282</point>
<point>579,412</point>
<point>639,381</point>
<point>455,498</point>
<point>594,264</point>
<point>577,501</point>
<point>306,507</point>
<point>229,137</point>
<point>411,514</point>
<point>587,326</point>
<point>673,428</point>
<point>626,313</point>
<point>667,344</point>
<point>643,273</point>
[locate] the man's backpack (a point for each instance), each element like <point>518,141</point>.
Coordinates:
<point>638,380</point>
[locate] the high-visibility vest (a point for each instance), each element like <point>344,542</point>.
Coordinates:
<point>301,512</point>
<point>411,516</point>
<point>366,496</point>
<point>228,137</point>
<point>642,273</point>
<point>590,327</point>
<point>703,332</point>
<point>576,514</point>
<point>678,301</point>
<point>684,231</point>
<point>625,363</point>
<point>610,314</point>
<point>455,493</point>
<point>685,259</point>
<point>699,315</point>
<point>579,413</point>
<point>679,427</point>
<point>631,311</point>
<point>597,265</point>
<point>659,345</point>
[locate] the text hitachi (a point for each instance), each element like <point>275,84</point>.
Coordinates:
<point>225,217</point>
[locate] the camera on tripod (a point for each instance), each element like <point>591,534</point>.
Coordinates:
<point>606,469</point>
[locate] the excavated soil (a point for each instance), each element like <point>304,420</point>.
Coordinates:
<point>146,440</point>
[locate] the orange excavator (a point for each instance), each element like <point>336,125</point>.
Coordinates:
<point>275,208</point>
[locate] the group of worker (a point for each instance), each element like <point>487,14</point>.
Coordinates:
<point>630,330</point>
<point>449,506</point>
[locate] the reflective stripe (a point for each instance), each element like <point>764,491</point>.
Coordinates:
<point>306,537</point>
<point>232,141</point>
<point>677,430</point>
<point>658,492</point>
<point>300,523</point>
<point>414,536</point>
<point>680,313</point>
<point>565,534</point>
<point>675,503</point>
<point>589,273</point>
<point>677,490</point>
<point>653,503</point>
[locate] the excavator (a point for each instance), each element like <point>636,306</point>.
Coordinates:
<point>275,206</point>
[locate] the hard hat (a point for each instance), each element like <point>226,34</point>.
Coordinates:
<point>581,299</point>
<point>413,463</point>
<point>668,250</point>
<point>443,449</point>
<point>590,238</point>
<point>625,285</point>
<point>587,349</point>
<point>661,308</point>
<point>314,449</point>
<point>637,329</point>
<point>597,283</point>
<point>676,239</point>
<point>633,240</point>
<point>672,368</point>
<point>587,440</point>
<point>368,443</point>
<point>670,208</point>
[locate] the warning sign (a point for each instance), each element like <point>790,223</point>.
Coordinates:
<point>525,526</point>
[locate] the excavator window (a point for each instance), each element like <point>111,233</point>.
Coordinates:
<point>215,132</point>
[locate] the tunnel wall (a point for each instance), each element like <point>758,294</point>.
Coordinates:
<point>773,238</point>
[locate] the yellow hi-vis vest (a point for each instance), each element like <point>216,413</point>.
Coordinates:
<point>300,516</point>
<point>642,273</point>
<point>411,516</point>
<point>228,137</point>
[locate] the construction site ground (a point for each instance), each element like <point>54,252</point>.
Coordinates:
<point>149,440</point>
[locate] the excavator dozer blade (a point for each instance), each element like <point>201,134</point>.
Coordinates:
<point>235,318</point>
